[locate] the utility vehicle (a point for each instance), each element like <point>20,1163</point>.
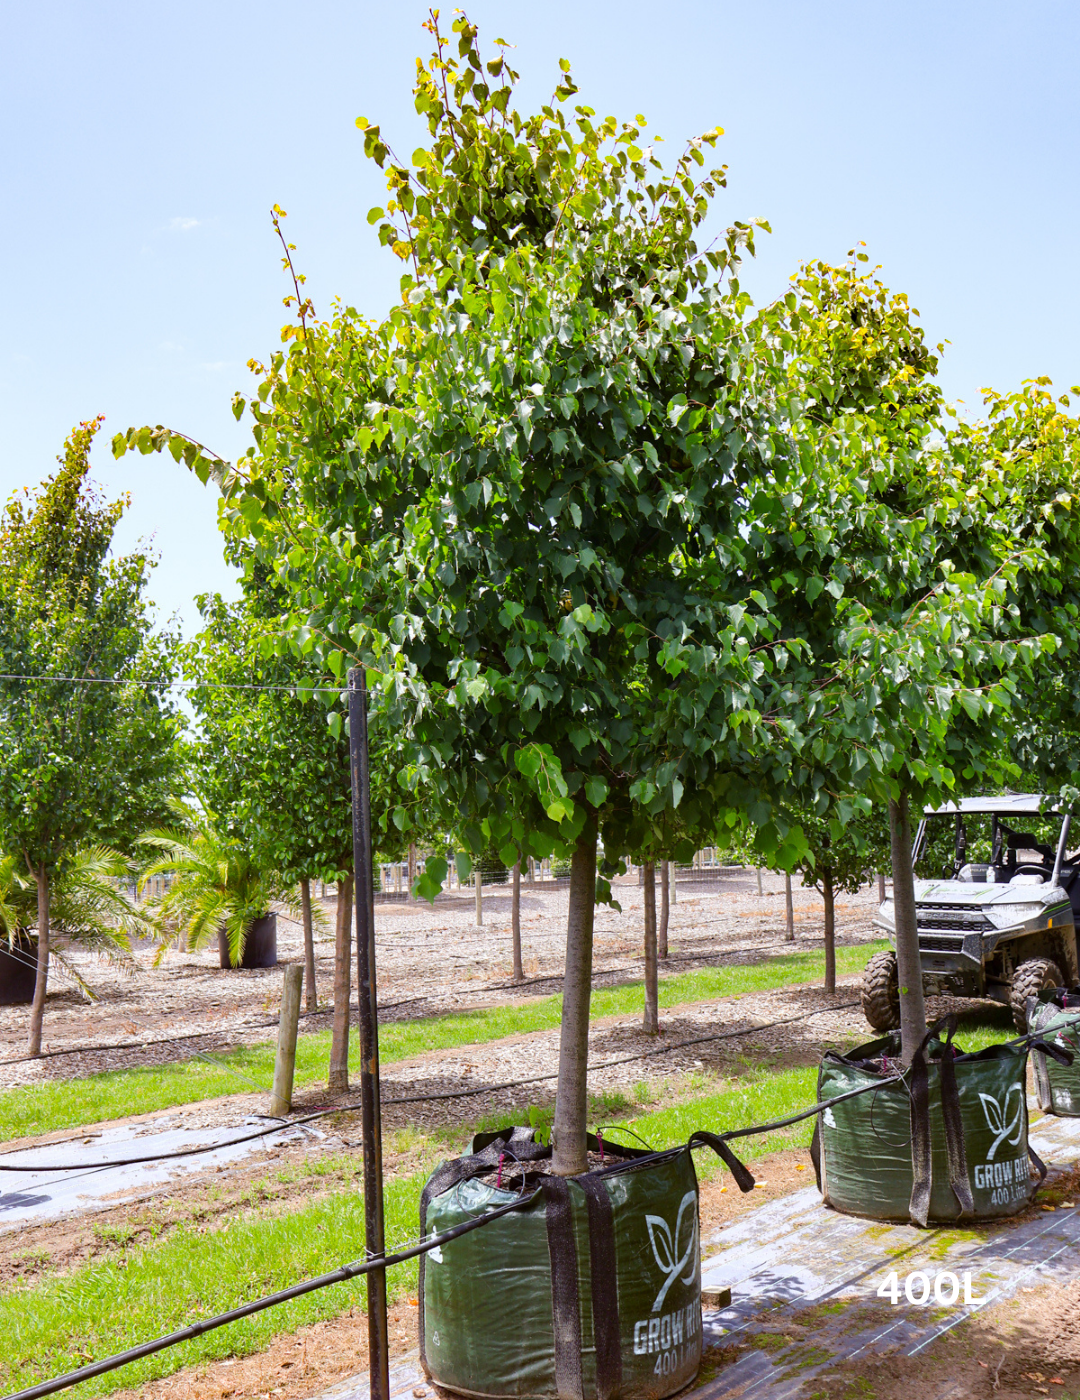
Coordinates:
<point>1001,921</point>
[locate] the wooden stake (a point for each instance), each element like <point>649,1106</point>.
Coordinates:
<point>285,1064</point>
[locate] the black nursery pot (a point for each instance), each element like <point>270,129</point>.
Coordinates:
<point>18,971</point>
<point>260,949</point>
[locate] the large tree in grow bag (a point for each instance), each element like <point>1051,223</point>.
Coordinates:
<point>1055,1017</point>
<point>592,1290</point>
<point>948,1140</point>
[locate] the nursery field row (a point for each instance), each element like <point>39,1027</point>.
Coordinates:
<point>149,1279</point>
<point>68,1103</point>
<point>136,1292</point>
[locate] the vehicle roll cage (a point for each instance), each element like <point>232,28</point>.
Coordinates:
<point>1003,839</point>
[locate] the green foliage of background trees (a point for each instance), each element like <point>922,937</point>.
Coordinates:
<point>81,763</point>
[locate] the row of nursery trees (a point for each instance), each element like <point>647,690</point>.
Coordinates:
<point>105,782</point>
<point>112,806</point>
<point>627,559</point>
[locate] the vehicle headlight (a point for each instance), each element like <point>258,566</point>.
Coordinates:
<point>1004,915</point>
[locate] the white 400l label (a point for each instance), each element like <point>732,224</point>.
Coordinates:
<point>919,1286</point>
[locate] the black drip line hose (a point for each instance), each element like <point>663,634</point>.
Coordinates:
<point>359,1268</point>
<point>471,1092</point>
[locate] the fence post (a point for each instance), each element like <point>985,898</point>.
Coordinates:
<point>285,1064</point>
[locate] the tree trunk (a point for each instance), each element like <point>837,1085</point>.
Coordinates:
<point>532,871</point>
<point>651,1021</point>
<point>37,1006</point>
<point>789,910</point>
<point>412,872</point>
<point>830,929</point>
<point>661,932</point>
<point>339,1048</point>
<point>757,872</point>
<point>908,962</point>
<point>881,887</point>
<point>571,1099</point>
<point>515,922</point>
<point>311,993</point>
<point>478,886</point>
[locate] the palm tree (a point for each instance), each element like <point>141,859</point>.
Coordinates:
<point>89,909</point>
<point>215,884</point>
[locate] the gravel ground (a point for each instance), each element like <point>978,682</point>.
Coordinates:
<point>430,959</point>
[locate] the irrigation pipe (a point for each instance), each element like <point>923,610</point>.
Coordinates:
<point>471,1092</point>
<point>189,1035</point>
<point>197,1329</point>
<point>622,1060</point>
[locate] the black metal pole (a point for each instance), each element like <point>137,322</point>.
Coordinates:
<point>370,1108</point>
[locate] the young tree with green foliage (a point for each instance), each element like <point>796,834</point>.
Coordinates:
<point>571,457</point>
<point>838,861</point>
<point>88,738</point>
<point>274,765</point>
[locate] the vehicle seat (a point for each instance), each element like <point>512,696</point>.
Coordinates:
<point>977,875</point>
<point>1027,879</point>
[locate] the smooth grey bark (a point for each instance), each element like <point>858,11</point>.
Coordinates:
<point>338,1082</point>
<point>789,910</point>
<point>665,909</point>
<point>881,887</point>
<point>651,1020</point>
<point>412,872</point>
<point>571,1097</point>
<point>37,1006</point>
<point>908,962</point>
<point>828,896</point>
<point>515,922</point>
<point>757,872</point>
<point>477,882</point>
<point>311,992</point>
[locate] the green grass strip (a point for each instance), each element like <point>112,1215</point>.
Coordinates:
<point>61,1104</point>
<point>106,1307</point>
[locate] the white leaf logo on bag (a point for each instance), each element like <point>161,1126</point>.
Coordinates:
<point>665,1244</point>
<point>995,1114</point>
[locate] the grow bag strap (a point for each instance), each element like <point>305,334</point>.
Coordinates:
<point>955,1153</point>
<point>1043,1091</point>
<point>565,1304</point>
<point>743,1176</point>
<point>955,1146</point>
<point>604,1281</point>
<point>815,1151</point>
<point>1038,1163</point>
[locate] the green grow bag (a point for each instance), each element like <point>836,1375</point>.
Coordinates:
<point>948,1142</point>
<point>1055,1017</point>
<point>591,1291</point>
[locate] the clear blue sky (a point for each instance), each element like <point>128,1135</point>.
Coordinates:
<point>145,144</point>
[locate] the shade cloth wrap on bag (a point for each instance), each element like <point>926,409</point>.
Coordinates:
<point>948,1142</point>
<point>1054,1016</point>
<point>592,1291</point>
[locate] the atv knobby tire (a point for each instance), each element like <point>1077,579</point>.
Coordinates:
<point>881,992</point>
<point>1029,979</point>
